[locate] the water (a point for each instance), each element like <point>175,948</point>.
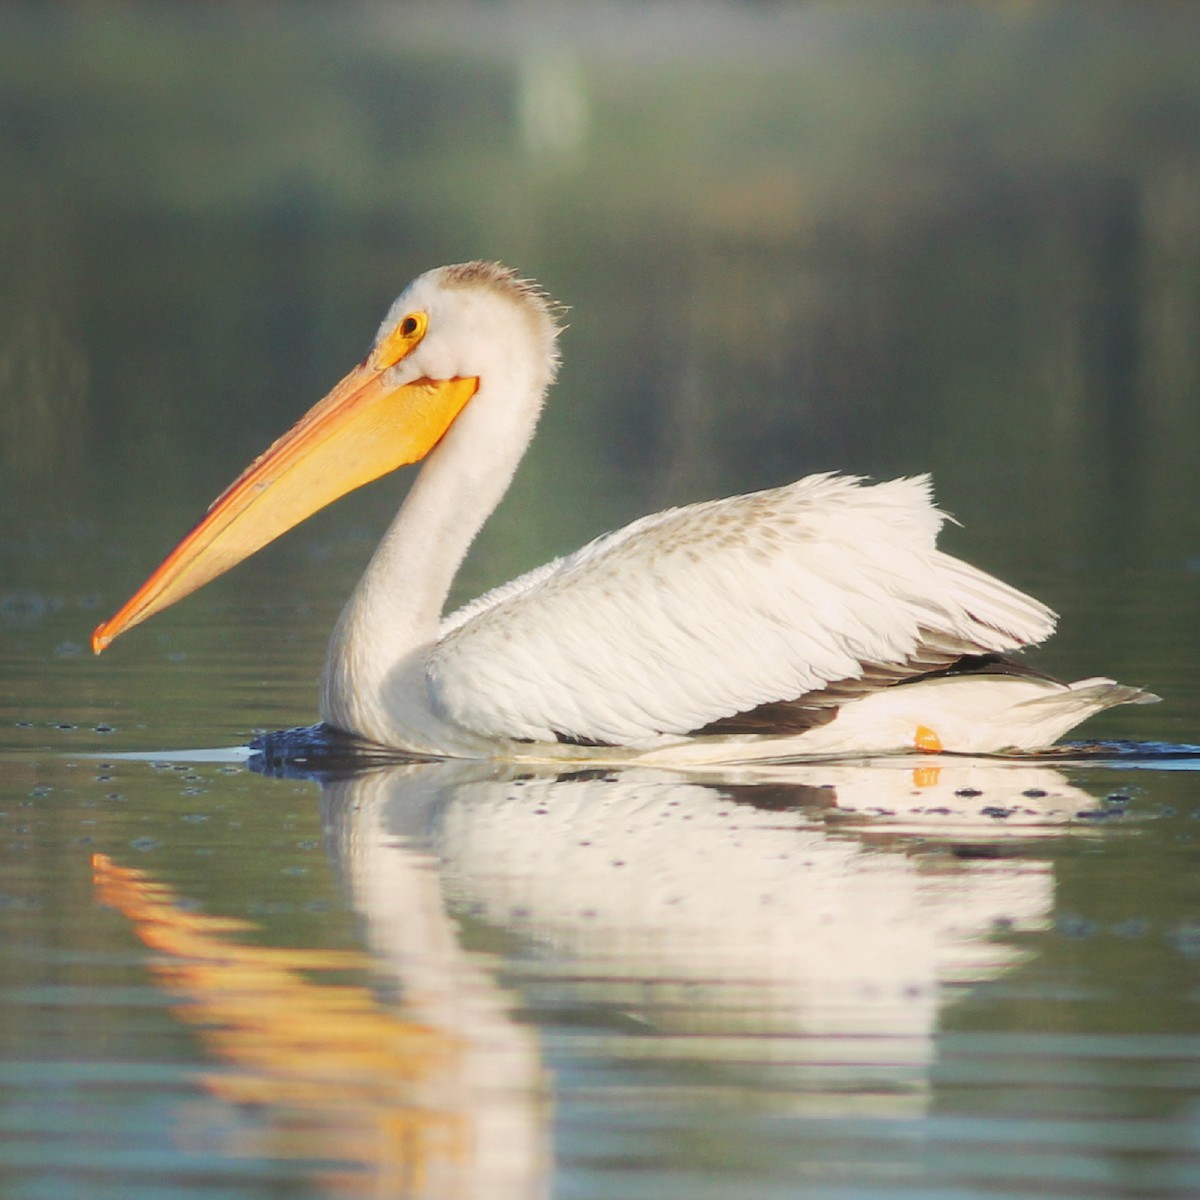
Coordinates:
<point>452,979</point>
<point>883,240</point>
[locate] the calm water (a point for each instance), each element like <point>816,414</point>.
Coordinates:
<point>452,980</point>
<point>884,239</point>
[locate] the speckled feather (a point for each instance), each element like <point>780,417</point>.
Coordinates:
<point>697,613</point>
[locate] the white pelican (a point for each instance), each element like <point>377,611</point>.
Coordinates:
<point>813,619</point>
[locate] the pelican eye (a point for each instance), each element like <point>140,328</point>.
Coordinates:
<point>400,341</point>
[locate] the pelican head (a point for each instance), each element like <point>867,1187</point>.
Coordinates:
<point>467,334</point>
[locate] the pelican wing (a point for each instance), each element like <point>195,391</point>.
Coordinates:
<point>694,615</point>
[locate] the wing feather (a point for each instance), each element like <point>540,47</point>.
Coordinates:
<point>699,613</point>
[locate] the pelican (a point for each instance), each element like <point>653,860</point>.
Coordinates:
<point>819,618</point>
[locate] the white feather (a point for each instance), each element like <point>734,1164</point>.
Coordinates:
<point>701,612</point>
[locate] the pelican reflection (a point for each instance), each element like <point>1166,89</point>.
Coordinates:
<point>798,933</point>
<point>814,919</point>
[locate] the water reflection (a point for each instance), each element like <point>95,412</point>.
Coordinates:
<point>751,922</point>
<point>438,1096</point>
<point>799,932</point>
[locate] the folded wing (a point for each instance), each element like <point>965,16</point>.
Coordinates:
<point>802,596</point>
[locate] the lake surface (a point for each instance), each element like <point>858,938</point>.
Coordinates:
<point>880,239</point>
<point>926,977</point>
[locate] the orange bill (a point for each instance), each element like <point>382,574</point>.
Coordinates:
<point>363,429</point>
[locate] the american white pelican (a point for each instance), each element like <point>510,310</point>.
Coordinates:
<point>817,618</point>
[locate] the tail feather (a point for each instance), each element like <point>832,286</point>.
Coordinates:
<point>1094,695</point>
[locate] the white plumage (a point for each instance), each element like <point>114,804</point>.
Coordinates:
<point>698,613</point>
<point>817,618</point>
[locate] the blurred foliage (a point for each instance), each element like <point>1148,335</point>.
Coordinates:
<point>880,238</point>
